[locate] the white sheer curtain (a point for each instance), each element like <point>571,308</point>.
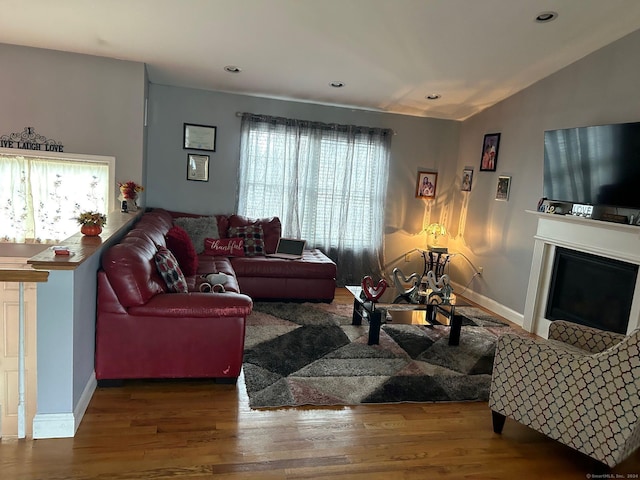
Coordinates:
<point>326,183</point>
<point>40,197</point>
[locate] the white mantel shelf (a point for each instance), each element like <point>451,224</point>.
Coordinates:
<point>617,241</point>
<point>623,227</point>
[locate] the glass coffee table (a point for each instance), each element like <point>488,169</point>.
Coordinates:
<point>437,312</point>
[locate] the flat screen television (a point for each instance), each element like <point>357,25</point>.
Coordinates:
<point>598,165</point>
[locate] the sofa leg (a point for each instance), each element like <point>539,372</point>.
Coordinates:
<point>226,380</point>
<point>109,383</point>
<point>498,421</point>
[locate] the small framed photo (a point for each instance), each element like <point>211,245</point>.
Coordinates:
<point>426,186</point>
<point>467,178</point>
<point>199,137</point>
<point>198,167</point>
<point>504,185</point>
<point>489,158</point>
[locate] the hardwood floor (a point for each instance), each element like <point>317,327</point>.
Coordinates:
<point>197,429</point>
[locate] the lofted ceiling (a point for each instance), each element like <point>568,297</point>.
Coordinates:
<point>389,54</point>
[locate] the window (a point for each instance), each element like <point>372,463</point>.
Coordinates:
<point>327,183</point>
<point>40,196</point>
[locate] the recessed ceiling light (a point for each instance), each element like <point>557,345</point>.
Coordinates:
<point>337,84</point>
<point>433,96</point>
<point>545,17</point>
<point>232,69</point>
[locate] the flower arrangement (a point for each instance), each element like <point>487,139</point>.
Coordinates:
<point>92,218</point>
<point>130,189</point>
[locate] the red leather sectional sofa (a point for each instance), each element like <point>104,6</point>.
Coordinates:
<point>143,331</point>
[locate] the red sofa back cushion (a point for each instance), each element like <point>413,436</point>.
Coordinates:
<point>180,244</point>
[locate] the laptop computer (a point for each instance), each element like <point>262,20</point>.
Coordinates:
<point>288,248</point>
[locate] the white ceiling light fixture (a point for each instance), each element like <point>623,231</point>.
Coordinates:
<point>545,17</point>
<point>232,69</point>
<point>433,96</point>
<point>337,84</point>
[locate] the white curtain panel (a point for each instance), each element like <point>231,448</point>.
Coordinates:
<point>327,184</point>
<point>40,197</point>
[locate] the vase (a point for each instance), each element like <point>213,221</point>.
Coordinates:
<point>128,204</point>
<point>91,230</point>
<point>132,206</point>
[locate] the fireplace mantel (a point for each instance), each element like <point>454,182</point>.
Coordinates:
<point>606,239</point>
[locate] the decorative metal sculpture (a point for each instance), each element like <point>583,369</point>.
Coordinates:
<point>440,287</point>
<point>373,292</point>
<point>410,294</point>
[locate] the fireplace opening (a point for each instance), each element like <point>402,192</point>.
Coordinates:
<point>591,290</point>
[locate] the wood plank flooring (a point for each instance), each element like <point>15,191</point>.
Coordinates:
<point>196,429</point>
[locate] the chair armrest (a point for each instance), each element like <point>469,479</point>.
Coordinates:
<point>587,338</point>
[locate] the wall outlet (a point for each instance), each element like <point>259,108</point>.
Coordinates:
<point>480,270</point>
<point>407,257</point>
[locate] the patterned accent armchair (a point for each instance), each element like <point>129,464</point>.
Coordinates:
<point>580,387</point>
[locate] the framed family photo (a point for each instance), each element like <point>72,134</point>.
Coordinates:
<point>426,185</point>
<point>504,185</point>
<point>467,178</point>
<point>489,158</point>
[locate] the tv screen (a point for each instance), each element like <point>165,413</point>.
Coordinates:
<point>597,165</point>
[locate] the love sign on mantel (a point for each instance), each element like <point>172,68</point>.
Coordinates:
<point>28,139</point>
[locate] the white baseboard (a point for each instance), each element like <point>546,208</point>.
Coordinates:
<point>489,304</point>
<point>85,398</point>
<point>64,425</point>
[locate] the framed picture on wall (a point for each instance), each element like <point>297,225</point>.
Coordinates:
<point>489,158</point>
<point>199,137</point>
<point>426,185</point>
<point>467,178</point>
<point>198,167</point>
<point>504,185</point>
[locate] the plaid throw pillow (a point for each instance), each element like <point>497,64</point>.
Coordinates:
<point>253,237</point>
<point>168,267</point>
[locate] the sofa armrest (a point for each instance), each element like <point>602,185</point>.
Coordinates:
<point>587,338</point>
<point>195,304</point>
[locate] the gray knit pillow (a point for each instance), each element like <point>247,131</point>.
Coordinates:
<point>198,228</point>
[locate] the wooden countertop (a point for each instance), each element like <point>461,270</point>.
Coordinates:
<point>82,247</point>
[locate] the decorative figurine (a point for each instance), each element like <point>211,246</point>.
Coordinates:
<point>411,294</point>
<point>372,292</point>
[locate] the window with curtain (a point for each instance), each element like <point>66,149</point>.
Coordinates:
<point>41,196</point>
<point>327,183</point>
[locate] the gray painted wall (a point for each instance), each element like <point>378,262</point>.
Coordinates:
<point>92,105</point>
<point>418,143</point>
<point>599,89</point>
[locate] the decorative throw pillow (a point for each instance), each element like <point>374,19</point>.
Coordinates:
<point>253,239</point>
<point>180,244</point>
<point>198,228</point>
<point>228,247</point>
<point>170,270</point>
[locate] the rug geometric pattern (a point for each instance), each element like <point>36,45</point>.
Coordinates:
<point>310,354</point>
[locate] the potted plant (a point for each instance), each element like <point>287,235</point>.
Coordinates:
<point>91,223</point>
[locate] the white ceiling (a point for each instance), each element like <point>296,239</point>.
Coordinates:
<point>388,53</point>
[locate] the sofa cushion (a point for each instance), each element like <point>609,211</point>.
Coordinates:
<point>198,228</point>
<point>271,228</point>
<point>229,247</point>
<point>313,264</point>
<point>170,270</point>
<point>132,271</point>
<point>252,237</point>
<point>180,244</point>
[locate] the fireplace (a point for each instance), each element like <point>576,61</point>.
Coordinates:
<point>591,290</point>
<point>607,259</point>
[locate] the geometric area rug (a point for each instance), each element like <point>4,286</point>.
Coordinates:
<point>310,354</point>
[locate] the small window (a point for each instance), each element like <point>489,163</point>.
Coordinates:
<point>40,196</point>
